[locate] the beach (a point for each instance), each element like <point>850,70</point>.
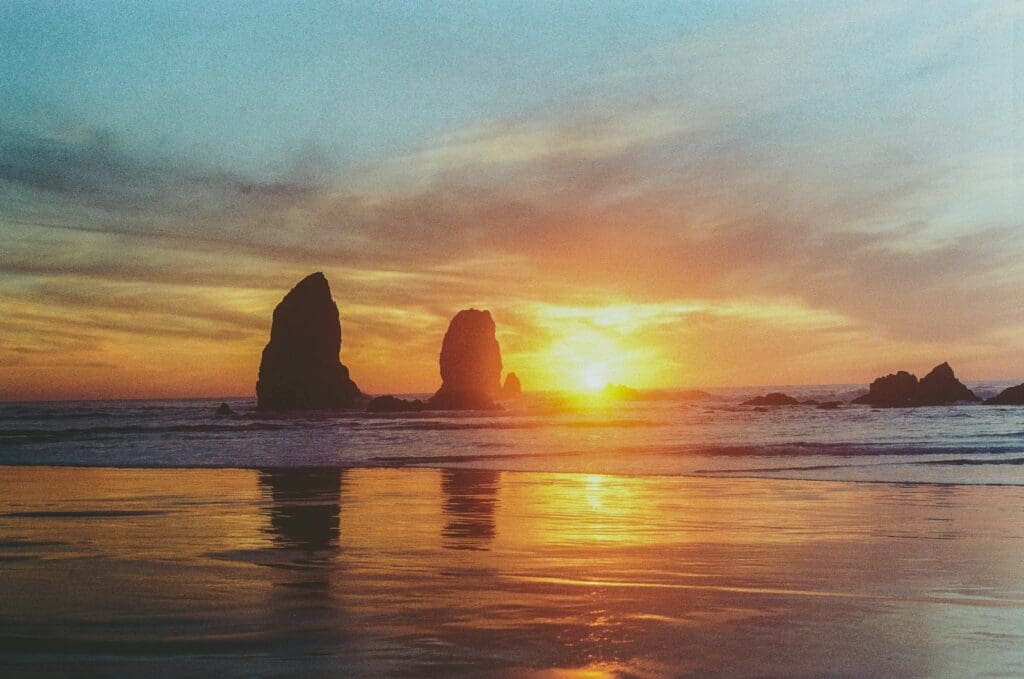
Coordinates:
<point>482,572</point>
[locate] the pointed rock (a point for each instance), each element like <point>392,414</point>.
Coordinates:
<point>512,388</point>
<point>470,364</point>
<point>941,387</point>
<point>300,369</point>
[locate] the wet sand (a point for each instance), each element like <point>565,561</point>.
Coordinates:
<point>366,572</point>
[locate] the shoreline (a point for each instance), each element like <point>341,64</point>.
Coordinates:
<point>418,571</point>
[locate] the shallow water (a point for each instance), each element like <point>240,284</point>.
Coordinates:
<point>365,572</point>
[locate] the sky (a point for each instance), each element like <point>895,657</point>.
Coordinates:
<point>656,194</point>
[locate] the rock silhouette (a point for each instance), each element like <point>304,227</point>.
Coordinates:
<point>512,388</point>
<point>470,364</point>
<point>223,410</point>
<point>891,390</point>
<point>1013,396</point>
<point>938,387</point>
<point>300,369</point>
<point>391,404</point>
<point>773,399</point>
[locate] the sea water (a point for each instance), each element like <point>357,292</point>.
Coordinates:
<point>553,539</point>
<point>944,444</point>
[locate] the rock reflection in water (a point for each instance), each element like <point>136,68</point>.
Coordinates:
<point>470,497</point>
<point>305,507</point>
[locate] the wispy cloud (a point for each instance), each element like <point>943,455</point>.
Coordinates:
<point>788,191</point>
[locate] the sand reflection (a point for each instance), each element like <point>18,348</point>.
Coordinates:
<point>371,572</point>
<point>470,497</point>
<point>305,505</point>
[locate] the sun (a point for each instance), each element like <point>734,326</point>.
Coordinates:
<point>594,376</point>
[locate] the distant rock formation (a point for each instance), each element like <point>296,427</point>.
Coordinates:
<point>512,388</point>
<point>773,399</point>
<point>891,390</point>
<point>470,364</point>
<point>938,387</point>
<point>941,387</point>
<point>300,369</point>
<point>1014,396</point>
<point>224,410</point>
<point>391,404</point>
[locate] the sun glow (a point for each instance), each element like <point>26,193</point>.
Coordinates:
<point>587,348</point>
<point>594,377</point>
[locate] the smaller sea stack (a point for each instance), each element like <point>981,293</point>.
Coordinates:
<point>512,388</point>
<point>470,364</point>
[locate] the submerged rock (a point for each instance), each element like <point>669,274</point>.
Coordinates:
<point>891,390</point>
<point>773,399</point>
<point>300,369</point>
<point>391,404</point>
<point>470,364</point>
<point>512,388</point>
<point>1013,396</point>
<point>938,387</point>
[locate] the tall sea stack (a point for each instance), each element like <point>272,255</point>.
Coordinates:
<point>300,369</point>
<point>470,364</point>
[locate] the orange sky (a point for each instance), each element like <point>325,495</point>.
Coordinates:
<point>767,198</point>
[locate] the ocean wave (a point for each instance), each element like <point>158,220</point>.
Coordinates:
<point>75,433</point>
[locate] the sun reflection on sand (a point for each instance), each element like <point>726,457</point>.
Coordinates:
<point>416,571</point>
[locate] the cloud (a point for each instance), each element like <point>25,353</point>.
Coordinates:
<point>817,200</point>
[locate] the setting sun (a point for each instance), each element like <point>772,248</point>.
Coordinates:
<point>582,349</point>
<point>594,376</point>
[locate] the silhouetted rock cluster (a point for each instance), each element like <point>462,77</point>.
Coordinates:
<point>1013,396</point>
<point>938,387</point>
<point>300,369</point>
<point>773,399</point>
<point>470,364</point>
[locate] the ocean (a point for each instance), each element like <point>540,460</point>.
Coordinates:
<point>623,539</point>
<point>949,444</point>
